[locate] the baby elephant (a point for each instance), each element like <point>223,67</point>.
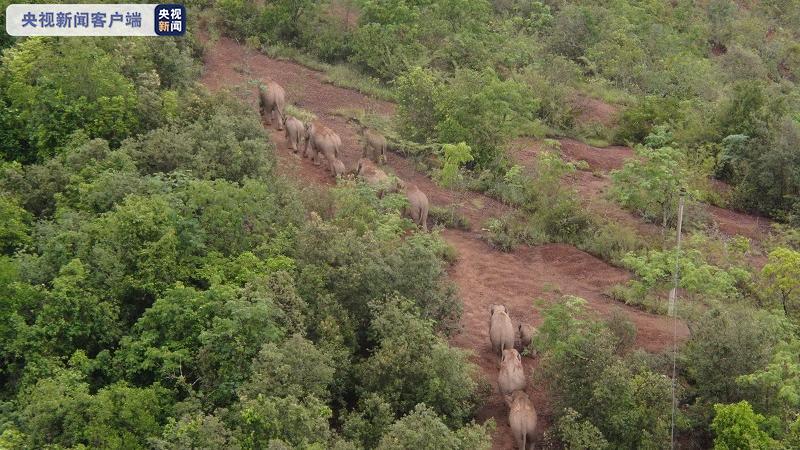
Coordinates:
<point>501,331</point>
<point>374,146</point>
<point>338,168</point>
<point>522,418</point>
<point>271,99</point>
<point>294,131</point>
<point>526,334</point>
<point>512,375</point>
<point>371,174</point>
<point>417,204</point>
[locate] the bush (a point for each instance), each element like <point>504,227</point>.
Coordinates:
<point>624,400</point>
<point>448,217</point>
<point>424,368</point>
<point>455,111</point>
<point>651,184</point>
<point>422,429</point>
<point>737,426</point>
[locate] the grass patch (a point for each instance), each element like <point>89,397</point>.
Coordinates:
<point>594,133</point>
<point>289,53</point>
<point>633,294</point>
<point>604,90</point>
<point>340,75</point>
<point>448,217</point>
<point>347,77</point>
<point>300,113</point>
<point>610,241</point>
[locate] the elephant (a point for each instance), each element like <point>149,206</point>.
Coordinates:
<point>512,375</point>
<point>325,141</point>
<point>271,98</point>
<point>338,168</point>
<point>374,146</point>
<point>295,130</point>
<point>522,418</point>
<point>501,331</point>
<point>417,204</point>
<point>375,177</point>
<point>371,174</point>
<point>526,334</point>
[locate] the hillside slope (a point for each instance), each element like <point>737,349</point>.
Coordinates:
<point>484,276</point>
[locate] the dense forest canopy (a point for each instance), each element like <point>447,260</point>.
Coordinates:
<point>164,285</point>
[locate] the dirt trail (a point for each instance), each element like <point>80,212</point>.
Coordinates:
<point>483,275</point>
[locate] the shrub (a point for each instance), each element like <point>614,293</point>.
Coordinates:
<point>651,184</point>
<point>424,430</point>
<point>424,368</point>
<point>737,426</point>
<point>452,110</point>
<point>625,401</point>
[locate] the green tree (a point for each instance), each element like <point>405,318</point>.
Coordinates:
<point>455,156</point>
<point>196,431</point>
<point>421,366</point>
<point>14,225</point>
<point>782,275</point>
<point>651,183</point>
<point>726,344</point>
<point>301,423</point>
<point>775,389</point>
<point>295,368</point>
<point>628,403</point>
<point>57,86</point>
<point>737,426</point>
<point>578,433</point>
<point>369,422</point>
<point>424,430</point>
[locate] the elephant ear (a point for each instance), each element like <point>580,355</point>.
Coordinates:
<point>508,399</point>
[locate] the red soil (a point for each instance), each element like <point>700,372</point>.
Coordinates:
<point>483,276</point>
<point>594,110</point>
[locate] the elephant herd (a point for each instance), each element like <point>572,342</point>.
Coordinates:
<point>320,140</point>
<point>511,378</point>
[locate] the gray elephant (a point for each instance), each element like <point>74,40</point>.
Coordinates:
<point>338,168</point>
<point>295,131</point>
<point>375,177</point>
<point>323,140</point>
<point>526,335</point>
<point>371,174</point>
<point>512,375</point>
<point>417,204</point>
<point>522,418</point>
<point>374,146</point>
<point>501,330</point>
<point>271,99</point>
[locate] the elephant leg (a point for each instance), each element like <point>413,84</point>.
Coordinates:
<point>280,122</point>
